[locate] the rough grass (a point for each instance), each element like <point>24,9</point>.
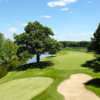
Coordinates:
<point>66,63</point>
<point>24,89</point>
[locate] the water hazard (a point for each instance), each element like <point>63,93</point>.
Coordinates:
<point>4,69</point>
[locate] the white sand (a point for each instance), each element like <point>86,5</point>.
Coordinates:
<point>73,88</point>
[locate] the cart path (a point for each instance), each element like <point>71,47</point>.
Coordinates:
<point>73,88</point>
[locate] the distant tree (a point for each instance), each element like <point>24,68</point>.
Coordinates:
<point>74,44</point>
<point>36,40</point>
<point>1,39</point>
<point>90,46</point>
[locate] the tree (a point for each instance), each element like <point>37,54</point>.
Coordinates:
<point>96,48</point>
<point>96,41</point>
<point>36,40</point>
<point>90,46</point>
<point>8,50</point>
<point>1,39</point>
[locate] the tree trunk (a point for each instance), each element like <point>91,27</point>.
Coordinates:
<point>38,58</point>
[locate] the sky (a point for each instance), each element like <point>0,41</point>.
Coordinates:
<point>70,20</point>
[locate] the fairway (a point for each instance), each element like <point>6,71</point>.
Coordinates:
<point>24,89</point>
<point>72,60</point>
<point>42,83</point>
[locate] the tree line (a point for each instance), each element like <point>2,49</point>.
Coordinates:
<point>74,43</point>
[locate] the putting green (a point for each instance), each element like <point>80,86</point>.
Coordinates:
<point>24,89</point>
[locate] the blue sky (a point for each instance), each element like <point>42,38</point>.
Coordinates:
<point>70,20</point>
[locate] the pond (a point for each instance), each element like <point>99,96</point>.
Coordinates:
<point>4,69</point>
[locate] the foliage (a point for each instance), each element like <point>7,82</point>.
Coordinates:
<point>74,44</point>
<point>36,40</point>
<point>96,48</point>
<point>90,47</point>
<point>8,50</point>
<point>96,63</point>
<point>25,54</point>
<point>1,38</point>
<point>96,40</point>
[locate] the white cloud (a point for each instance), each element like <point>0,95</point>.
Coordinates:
<point>71,12</point>
<point>61,37</point>
<point>13,29</point>
<point>60,3</point>
<point>90,33</point>
<point>47,16</point>
<point>53,30</point>
<point>83,33</point>
<point>24,24</point>
<point>64,9</point>
<point>8,24</point>
<point>4,18</point>
<point>86,33</point>
<point>66,30</point>
<point>89,2</point>
<point>72,34</point>
<point>79,25</point>
<point>17,21</point>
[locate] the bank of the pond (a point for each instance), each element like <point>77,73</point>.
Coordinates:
<point>5,68</point>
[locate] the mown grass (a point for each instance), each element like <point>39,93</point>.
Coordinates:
<point>24,89</point>
<point>67,62</point>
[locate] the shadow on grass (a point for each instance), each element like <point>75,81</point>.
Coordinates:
<point>41,65</point>
<point>89,64</point>
<point>94,82</point>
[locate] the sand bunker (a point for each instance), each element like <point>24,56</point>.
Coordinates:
<point>73,88</point>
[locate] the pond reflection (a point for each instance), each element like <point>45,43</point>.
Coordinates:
<point>5,68</point>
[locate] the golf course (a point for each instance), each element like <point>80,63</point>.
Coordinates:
<point>40,81</point>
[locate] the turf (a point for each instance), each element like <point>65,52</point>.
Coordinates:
<point>72,60</point>
<point>24,89</point>
<point>67,62</point>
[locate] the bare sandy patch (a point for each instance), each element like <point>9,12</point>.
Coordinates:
<point>73,88</point>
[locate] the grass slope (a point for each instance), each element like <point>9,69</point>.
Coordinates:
<point>24,89</point>
<point>69,61</point>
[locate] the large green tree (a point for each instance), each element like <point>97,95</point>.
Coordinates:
<point>96,48</point>
<point>96,40</point>
<point>36,40</point>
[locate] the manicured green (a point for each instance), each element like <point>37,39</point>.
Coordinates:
<point>24,89</point>
<point>67,62</point>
